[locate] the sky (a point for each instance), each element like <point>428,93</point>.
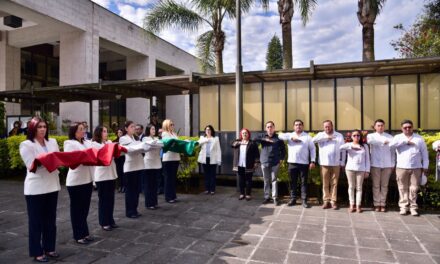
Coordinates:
<point>332,35</point>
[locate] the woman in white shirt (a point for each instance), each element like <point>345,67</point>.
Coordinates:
<point>383,160</point>
<point>41,192</point>
<point>134,169</point>
<point>246,159</point>
<point>170,162</point>
<point>357,167</point>
<point>105,179</point>
<point>153,166</point>
<point>79,184</point>
<point>210,156</point>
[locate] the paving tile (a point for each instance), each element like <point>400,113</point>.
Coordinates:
<point>372,243</point>
<point>406,246</point>
<point>374,254</point>
<point>275,243</point>
<point>340,251</point>
<point>347,240</point>
<point>206,247</point>
<point>330,260</point>
<point>309,235</point>
<point>236,250</point>
<point>306,247</point>
<point>269,255</point>
<point>407,258</point>
<point>294,258</point>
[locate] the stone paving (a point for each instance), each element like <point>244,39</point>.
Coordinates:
<point>221,229</point>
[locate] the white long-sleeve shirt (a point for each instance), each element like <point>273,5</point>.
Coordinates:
<point>301,150</point>
<point>170,155</point>
<point>133,159</point>
<point>358,159</point>
<point>104,173</point>
<point>82,174</point>
<point>152,157</point>
<point>329,149</point>
<point>382,155</point>
<point>410,156</point>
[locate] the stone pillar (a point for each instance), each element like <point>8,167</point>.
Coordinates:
<point>138,68</point>
<point>79,64</point>
<point>178,110</point>
<point>10,60</point>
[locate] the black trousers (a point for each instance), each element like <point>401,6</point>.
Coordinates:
<point>106,204</point>
<point>133,187</point>
<point>170,179</point>
<point>80,196</point>
<point>120,171</point>
<point>210,171</point>
<point>42,214</point>
<point>150,187</point>
<point>244,181</point>
<point>297,171</point>
<point>160,181</point>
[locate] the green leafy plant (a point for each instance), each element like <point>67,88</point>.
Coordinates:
<point>188,165</point>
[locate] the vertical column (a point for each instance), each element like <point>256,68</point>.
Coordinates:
<point>139,67</point>
<point>79,64</point>
<point>10,59</point>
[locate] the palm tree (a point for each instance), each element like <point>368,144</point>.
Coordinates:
<point>286,8</point>
<point>367,12</point>
<point>193,15</point>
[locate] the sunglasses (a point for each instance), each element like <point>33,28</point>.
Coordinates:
<point>356,135</point>
<point>407,127</point>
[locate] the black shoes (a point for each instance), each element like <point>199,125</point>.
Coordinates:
<point>266,201</point>
<point>114,226</point>
<point>276,202</point>
<point>292,202</point>
<point>134,215</point>
<point>41,259</point>
<point>107,228</point>
<point>82,241</point>
<point>305,205</point>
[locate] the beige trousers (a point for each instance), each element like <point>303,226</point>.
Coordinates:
<point>408,184</point>
<point>381,178</point>
<point>355,180</point>
<point>330,177</point>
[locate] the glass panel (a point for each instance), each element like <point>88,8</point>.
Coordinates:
<point>298,103</point>
<point>323,106</point>
<point>403,100</point>
<point>209,106</point>
<point>227,108</point>
<point>375,100</point>
<point>348,103</point>
<point>274,104</point>
<point>252,106</point>
<point>430,101</point>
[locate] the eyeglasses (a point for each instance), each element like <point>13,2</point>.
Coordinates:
<point>356,135</point>
<point>407,127</point>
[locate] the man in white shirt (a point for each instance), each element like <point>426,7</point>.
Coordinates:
<point>301,158</point>
<point>331,159</point>
<point>436,148</point>
<point>412,160</point>
<point>383,160</point>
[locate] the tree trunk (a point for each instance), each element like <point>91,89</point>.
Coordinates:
<point>287,45</point>
<point>218,61</point>
<point>219,44</point>
<point>368,42</point>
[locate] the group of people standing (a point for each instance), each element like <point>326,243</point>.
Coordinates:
<point>380,155</point>
<point>143,162</point>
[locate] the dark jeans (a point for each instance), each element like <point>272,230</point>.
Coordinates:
<point>296,171</point>
<point>132,188</point>
<point>160,181</point>
<point>150,187</point>
<point>210,172</point>
<point>80,196</point>
<point>120,171</point>
<point>244,181</point>
<point>42,214</point>
<point>106,204</point>
<point>170,170</point>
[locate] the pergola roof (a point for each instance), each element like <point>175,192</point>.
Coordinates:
<point>189,84</point>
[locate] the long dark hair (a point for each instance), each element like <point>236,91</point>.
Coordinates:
<point>72,131</point>
<point>33,126</point>
<point>97,134</point>
<point>147,130</point>
<point>117,136</point>
<point>361,138</point>
<point>212,130</point>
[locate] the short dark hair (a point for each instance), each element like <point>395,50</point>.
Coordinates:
<point>72,130</point>
<point>147,130</point>
<point>269,122</point>
<point>406,121</point>
<point>212,130</point>
<point>298,120</point>
<point>97,134</point>
<point>141,126</point>
<point>33,126</point>
<point>328,121</point>
<point>379,121</point>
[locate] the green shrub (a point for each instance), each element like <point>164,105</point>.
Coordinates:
<point>14,151</point>
<point>432,188</point>
<point>4,156</point>
<point>188,165</point>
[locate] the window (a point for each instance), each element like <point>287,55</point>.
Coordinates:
<point>208,106</point>
<point>403,100</point>
<point>274,104</point>
<point>323,102</point>
<point>375,100</point>
<point>227,107</point>
<point>430,96</point>
<point>298,103</point>
<point>252,106</point>
<point>348,103</point>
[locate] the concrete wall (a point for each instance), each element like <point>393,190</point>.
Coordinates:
<point>9,71</point>
<point>178,110</point>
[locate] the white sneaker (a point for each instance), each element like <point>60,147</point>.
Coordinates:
<point>403,211</point>
<point>414,212</point>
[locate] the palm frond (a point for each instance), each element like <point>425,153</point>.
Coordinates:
<point>377,5</point>
<point>168,13</point>
<point>306,8</point>
<point>205,51</point>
